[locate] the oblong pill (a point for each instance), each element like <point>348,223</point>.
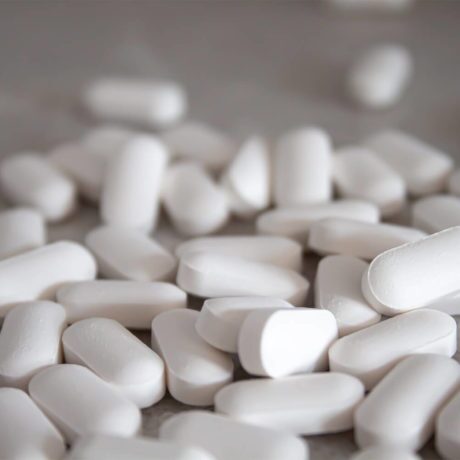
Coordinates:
<point>26,433</point>
<point>106,140</point>
<point>229,439</point>
<point>338,289</point>
<point>447,440</point>
<point>118,357</point>
<point>195,370</point>
<point>449,304</point>
<point>78,402</point>
<point>371,353</point>
<point>132,303</point>
<point>435,213</point>
<point>206,274</point>
<point>124,253</point>
<point>400,411</point>
<point>315,403</point>
<point>384,453</point>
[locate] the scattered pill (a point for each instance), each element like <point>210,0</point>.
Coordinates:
<point>435,213</point>
<point>447,440</point>
<point>107,140</point>
<point>454,183</point>
<point>384,453</point>
<point>449,304</point>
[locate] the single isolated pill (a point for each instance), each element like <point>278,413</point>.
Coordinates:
<point>123,253</point>
<point>28,179</point>
<point>132,303</point>
<point>453,185</point>
<point>79,403</point>
<point>206,274</point>
<point>385,453</point>
<point>26,433</point>
<point>228,439</point>
<point>318,403</point>
<point>338,289</point>
<point>401,410</point>
<point>193,201</point>
<point>447,440</point>
<point>369,354</point>
<point>195,370</point>
<point>303,168</point>
<point>435,213</point>
<point>149,102</point>
<point>424,168</point>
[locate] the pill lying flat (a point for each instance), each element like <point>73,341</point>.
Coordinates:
<point>384,453</point>
<point>26,433</point>
<point>195,370</point>
<point>206,274</point>
<point>78,402</point>
<point>277,343</point>
<point>371,353</point>
<point>400,411</point>
<point>453,184</point>
<point>132,303</point>
<point>316,403</point>
<point>424,168</point>
<point>124,253</point>
<point>338,289</point>
<point>435,213</point>
<point>449,304</point>
<point>220,319</point>
<point>447,429</point>
<point>107,140</point>
<point>228,439</point>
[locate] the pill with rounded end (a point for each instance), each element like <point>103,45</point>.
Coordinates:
<point>435,213</point>
<point>106,140</point>
<point>449,304</point>
<point>384,453</point>
<point>195,370</point>
<point>453,184</point>
<point>400,411</point>
<point>79,403</point>
<point>369,354</point>
<point>447,440</point>
<point>318,403</point>
<point>229,439</point>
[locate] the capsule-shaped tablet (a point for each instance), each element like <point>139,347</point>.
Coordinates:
<point>435,213</point>
<point>124,253</point>
<point>220,319</point>
<point>447,428</point>
<point>193,201</point>
<point>400,411</point>
<point>132,303</point>
<point>229,439</point>
<point>303,168</point>
<point>385,453</point>
<point>379,76</point>
<point>27,179</point>
<point>449,304</point>
<point>414,275</point>
<point>118,357</point>
<point>206,274</point>
<point>424,168</point>
<point>149,102</point>
<point>360,239</point>
<point>79,403</point>
<point>453,184</point>
<point>369,354</point>
<point>26,433</point>
<point>107,140</point>
<point>37,274</point>
<point>195,370</point>
<point>295,222</point>
<point>317,403</point>
<point>338,289</point>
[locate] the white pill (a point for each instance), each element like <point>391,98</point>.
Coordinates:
<point>435,213</point>
<point>247,180</point>
<point>132,303</point>
<point>383,6</point>
<point>21,230</point>
<point>379,76</point>
<point>202,143</point>
<point>229,439</point>
<point>149,102</point>
<point>295,222</point>
<point>38,274</point>
<point>338,289</point>
<point>303,168</point>
<point>447,439</point>
<point>400,411</point>
<point>358,173</point>
<point>195,370</point>
<point>454,183</point>
<point>449,304</point>
<point>414,275</point>
<point>269,249</point>
<point>79,403</point>
<point>118,357</point>
<point>424,168</point>
<point>123,253</point>
<point>193,201</point>
<point>384,453</point>
<point>369,354</point>
<point>27,179</point>
<point>220,319</point>
<point>106,140</point>
<point>360,239</point>
<point>318,403</point>
<point>206,274</point>
<point>26,433</point>
<point>276,343</point>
